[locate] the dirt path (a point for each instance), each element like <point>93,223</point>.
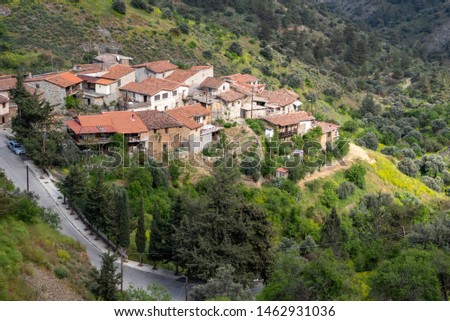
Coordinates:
<point>355,153</point>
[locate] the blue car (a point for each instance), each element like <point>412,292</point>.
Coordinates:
<point>15,147</point>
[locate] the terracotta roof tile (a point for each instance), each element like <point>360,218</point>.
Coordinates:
<point>151,86</point>
<point>7,84</point>
<point>241,78</point>
<point>231,95</point>
<point>123,122</point>
<point>3,99</point>
<point>86,68</point>
<point>186,114</point>
<point>155,119</point>
<point>328,127</point>
<point>282,170</point>
<point>213,83</point>
<point>118,71</point>
<point>96,80</point>
<point>158,66</point>
<point>289,119</point>
<point>281,97</point>
<point>181,75</point>
<point>63,79</point>
<point>198,68</point>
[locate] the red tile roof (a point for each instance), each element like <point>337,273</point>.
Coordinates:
<point>281,97</point>
<point>328,127</point>
<point>86,68</point>
<point>231,95</point>
<point>241,78</point>
<point>118,71</point>
<point>198,68</point>
<point>181,75</point>
<point>158,66</point>
<point>151,86</point>
<point>6,84</point>
<point>96,80</point>
<point>186,114</point>
<point>155,119</point>
<point>63,79</point>
<point>123,122</point>
<point>282,170</point>
<point>3,99</point>
<point>289,119</point>
<point>213,83</point>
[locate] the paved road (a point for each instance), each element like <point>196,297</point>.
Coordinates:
<point>43,187</point>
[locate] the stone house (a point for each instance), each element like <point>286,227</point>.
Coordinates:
<point>155,69</point>
<point>192,77</point>
<point>281,172</point>
<point>197,130</point>
<point>155,94</point>
<point>164,132</point>
<point>98,129</point>
<point>232,103</point>
<point>298,123</point>
<point>281,101</point>
<point>330,133</point>
<point>56,87</point>
<point>108,60</point>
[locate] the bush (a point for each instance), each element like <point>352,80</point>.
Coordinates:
<point>235,48</point>
<point>408,167</point>
<point>329,197</point>
<point>345,190</point>
<point>207,54</point>
<point>390,150</point>
<point>266,52</point>
<point>431,183</point>
<point>369,140</point>
<point>119,6</point>
<point>350,126</point>
<point>139,4</point>
<point>256,125</point>
<point>356,174</point>
<point>61,272</point>
<point>409,153</point>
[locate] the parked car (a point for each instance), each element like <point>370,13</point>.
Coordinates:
<point>15,147</point>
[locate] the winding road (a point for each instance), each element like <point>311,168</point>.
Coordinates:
<point>49,197</point>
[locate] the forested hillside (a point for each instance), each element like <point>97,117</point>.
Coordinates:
<point>373,229</point>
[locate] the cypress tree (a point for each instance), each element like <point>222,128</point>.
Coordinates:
<point>124,220</point>
<point>107,280</point>
<point>141,238</point>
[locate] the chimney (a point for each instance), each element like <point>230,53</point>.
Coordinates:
<point>132,117</point>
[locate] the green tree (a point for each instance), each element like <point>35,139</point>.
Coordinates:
<point>409,277</point>
<point>154,292</point>
<point>104,282</point>
<point>119,6</point>
<point>159,246</point>
<point>123,213</point>
<point>222,286</point>
<point>141,237</point>
<point>74,186</point>
<point>369,106</point>
<point>332,233</point>
<point>356,174</point>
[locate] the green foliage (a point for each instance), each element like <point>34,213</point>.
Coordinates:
<point>411,276</point>
<point>222,285</point>
<point>345,190</point>
<point>119,6</point>
<point>104,282</point>
<point>123,214</point>
<point>369,140</point>
<point>256,125</point>
<point>408,167</point>
<point>154,292</point>
<point>61,272</point>
<point>235,48</point>
<point>356,174</point>
<point>329,197</point>
<point>141,237</point>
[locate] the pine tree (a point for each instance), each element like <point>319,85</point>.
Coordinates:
<point>141,238</point>
<point>74,186</point>
<point>96,201</point>
<point>160,233</point>
<point>124,220</point>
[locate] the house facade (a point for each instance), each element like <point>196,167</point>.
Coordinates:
<point>298,123</point>
<point>56,87</point>
<point>164,132</point>
<point>108,60</point>
<point>4,111</point>
<point>154,94</point>
<point>330,133</point>
<point>154,69</point>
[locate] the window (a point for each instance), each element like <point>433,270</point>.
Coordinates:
<point>165,96</point>
<point>154,131</point>
<point>166,107</point>
<point>38,86</point>
<point>223,87</point>
<point>166,130</point>
<point>158,97</point>
<point>175,93</point>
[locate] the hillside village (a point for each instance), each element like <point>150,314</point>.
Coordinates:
<point>160,107</point>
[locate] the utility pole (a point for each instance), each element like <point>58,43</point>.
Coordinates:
<point>28,179</point>
<point>186,288</point>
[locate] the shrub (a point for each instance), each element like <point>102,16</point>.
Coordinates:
<point>266,52</point>
<point>390,150</point>
<point>431,183</point>
<point>119,6</point>
<point>329,197</point>
<point>207,54</point>
<point>139,4</point>
<point>61,272</point>
<point>356,174</point>
<point>350,126</point>
<point>235,48</point>
<point>184,28</point>
<point>256,125</point>
<point>408,167</point>
<point>345,189</point>
<point>369,140</point>
<point>409,153</point>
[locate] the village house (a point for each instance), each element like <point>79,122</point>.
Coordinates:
<point>103,87</point>
<point>108,60</point>
<point>155,69</point>
<point>281,172</point>
<point>164,132</point>
<point>9,109</point>
<point>281,101</point>
<point>192,77</point>
<point>330,133</point>
<point>231,104</point>
<point>197,130</point>
<point>56,87</point>
<point>98,129</point>
<point>243,79</point>
<point>298,123</point>
<point>155,94</point>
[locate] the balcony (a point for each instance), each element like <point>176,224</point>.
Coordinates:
<point>209,129</point>
<point>287,134</point>
<point>133,139</point>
